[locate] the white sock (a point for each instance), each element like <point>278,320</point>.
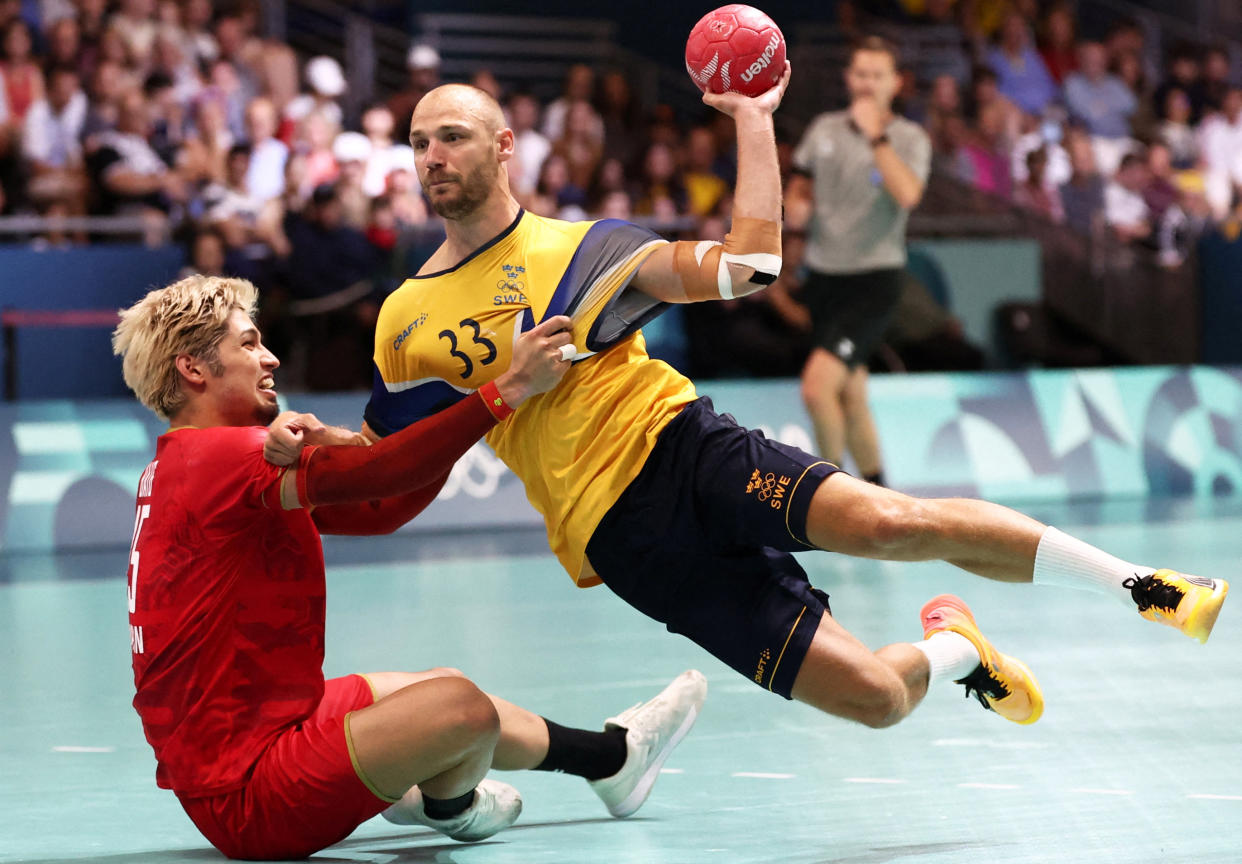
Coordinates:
<point>950,655</point>
<point>1070,563</point>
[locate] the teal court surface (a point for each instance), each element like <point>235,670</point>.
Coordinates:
<point>1138,757</point>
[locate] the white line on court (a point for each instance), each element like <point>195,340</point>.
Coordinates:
<point>889,780</point>
<point>672,771</point>
<point>1208,797</point>
<point>74,748</point>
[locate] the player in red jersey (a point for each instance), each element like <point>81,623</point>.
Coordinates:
<point>226,604</point>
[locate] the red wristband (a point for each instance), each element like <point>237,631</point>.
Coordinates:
<point>494,401</point>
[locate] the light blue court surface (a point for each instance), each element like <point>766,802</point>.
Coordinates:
<point>1138,757</point>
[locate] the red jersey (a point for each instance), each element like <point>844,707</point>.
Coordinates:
<point>226,608</point>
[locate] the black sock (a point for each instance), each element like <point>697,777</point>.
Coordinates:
<point>593,755</point>
<point>447,808</point>
<point>877,478</point>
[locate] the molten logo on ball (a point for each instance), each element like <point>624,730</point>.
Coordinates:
<point>737,49</point>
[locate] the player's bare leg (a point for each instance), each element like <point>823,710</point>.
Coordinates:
<point>860,433</point>
<point>823,380</point>
<point>439,733</point>
<point>621,762</point>
<point>523,741</point>
<point>856,518</point>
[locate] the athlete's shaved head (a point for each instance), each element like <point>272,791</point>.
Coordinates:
<point>477,104</point>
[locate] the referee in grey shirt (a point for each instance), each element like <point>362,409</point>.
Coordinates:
<point>857,175</point>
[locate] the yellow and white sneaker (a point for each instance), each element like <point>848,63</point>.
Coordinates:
<point>1000,683</point>
<point>1189,603</point>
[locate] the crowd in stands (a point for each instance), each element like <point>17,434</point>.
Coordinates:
<point>1083,128</point>
<point>183,114</point>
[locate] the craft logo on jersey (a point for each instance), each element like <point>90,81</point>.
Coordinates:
<point>404,334</point>
<point>511,287</point>
<point>769,487</point>
<point>763,663</point>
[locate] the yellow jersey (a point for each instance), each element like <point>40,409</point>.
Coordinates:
<point>576,448</point>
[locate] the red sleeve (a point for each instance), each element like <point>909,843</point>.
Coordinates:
<point>377,516</point>
<point>401,463</point>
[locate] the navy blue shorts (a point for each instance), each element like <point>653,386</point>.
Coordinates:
<point>700,541</point>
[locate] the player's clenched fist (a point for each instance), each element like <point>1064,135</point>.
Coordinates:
<point>541,358</point>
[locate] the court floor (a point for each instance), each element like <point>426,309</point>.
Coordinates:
<point>1138,757</point>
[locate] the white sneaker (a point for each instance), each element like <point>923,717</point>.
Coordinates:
<point>496,806</point>
<point>654,728</point>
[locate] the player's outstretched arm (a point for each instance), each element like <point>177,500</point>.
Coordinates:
<point>750,258</point>
<point>424,452</point>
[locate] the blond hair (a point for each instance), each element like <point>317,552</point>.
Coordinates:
<point>187,317</point>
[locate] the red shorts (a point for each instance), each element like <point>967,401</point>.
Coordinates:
<point>304,793</point>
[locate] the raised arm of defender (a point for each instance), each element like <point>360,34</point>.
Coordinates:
<point>750,258</point>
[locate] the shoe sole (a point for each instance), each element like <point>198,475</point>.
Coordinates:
<point>630,804</point>
<point>1202,627</point>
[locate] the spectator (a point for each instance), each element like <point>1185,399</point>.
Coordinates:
<point>1036,193</point>
<point>1131,70</point>
<point>268,154</point>
<point>317,132</point>
<point>660,192</point>
<point>206,149</point>
<point>247,225</point>
<point>1125,211</point>
<point>1045,135</point>
<point>985,92</point>
<point>1058,41</point>
<point>51,145</point>
<point>352,150</point>
<point>92,16</point>
<point>1220,146</point>
<point>107,85</point>
<point>404,192</point>
<point>1216,78</point>
<point>1021,74</point>
<point>944,101</point>
<point>64,47</point>
<point>201,46</point>
<point>1183,75</point>
<point>1082,197</point>
<point>377,125</point>
<point>130,175</point>
<point>555,195</point>
<point>1176,131</point>
<point>530,147</point>
<point>609,180</point>
<point>705,189</point>
<point>423,67</point>
<point>20,75</point>
<point>134,22</point>
<point>329,273</point>
<point>485,80</point>
<point>581,143</point>
<point>579,87</point>
<point>169,58</point>
<point>206,254</point>
<point>622,117</point>
<point>986,154</point>
<point>1096,98</point>
<point>327,84</point>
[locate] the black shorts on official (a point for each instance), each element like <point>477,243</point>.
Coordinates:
<point>700,541</point>
<point>851,311</point>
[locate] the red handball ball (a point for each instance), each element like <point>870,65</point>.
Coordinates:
<point>736,49</point>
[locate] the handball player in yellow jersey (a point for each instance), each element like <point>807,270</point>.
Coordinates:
<point>684,514</point>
